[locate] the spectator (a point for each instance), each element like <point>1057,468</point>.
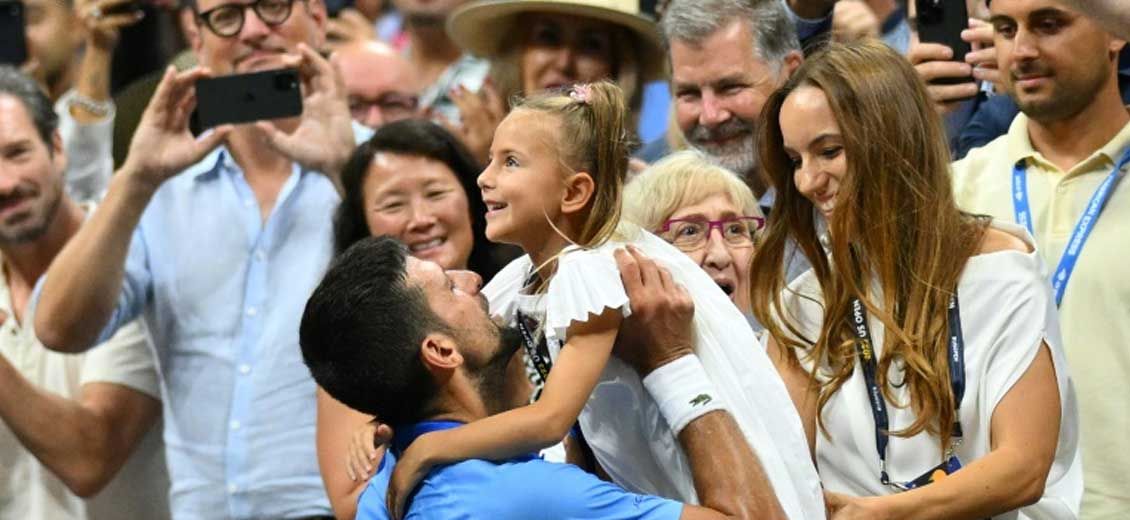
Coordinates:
<point>682,198</point>
<point>403,339</point>
<point>77,434</point>
<point>219,247</point>
<point>380,82</point>
<point>727,56</point>
<point>442,67</point>
<point>553,188</point>
<point>1049,174</point>
<point>954,328</point>
<point>537,45</point>
<point>413,181</point>
<point>70,46</point>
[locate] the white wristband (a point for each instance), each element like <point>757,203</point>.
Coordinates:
<point>683,392</point>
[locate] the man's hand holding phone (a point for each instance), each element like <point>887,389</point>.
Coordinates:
<point>323,139</point>
<point>936,64</point>
<point>162,145</point>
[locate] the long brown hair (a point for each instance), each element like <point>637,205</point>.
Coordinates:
<point>595,137</point>
<point>895,224</point>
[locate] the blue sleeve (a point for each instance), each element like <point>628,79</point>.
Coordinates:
<point>990,121</point>
<point>810,32</point>
<point>137,283</point>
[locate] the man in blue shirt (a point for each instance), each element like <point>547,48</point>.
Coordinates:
<point>217,241</point>
<point>399,338</point>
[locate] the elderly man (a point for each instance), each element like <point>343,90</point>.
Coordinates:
<point>77,435</point>
<point>218,241</point>
<point>404,340</point>
<point>381,84</point>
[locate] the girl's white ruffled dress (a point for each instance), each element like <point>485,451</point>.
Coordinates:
<point>621,422</point>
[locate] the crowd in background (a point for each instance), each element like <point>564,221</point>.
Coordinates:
<point>567,259</point>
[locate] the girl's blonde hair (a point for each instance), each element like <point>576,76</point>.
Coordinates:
<point>678,180</point>
<point>593,137</point>
<point>896,225</point>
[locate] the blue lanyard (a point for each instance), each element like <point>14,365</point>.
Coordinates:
<point>865,350</point>
<point>1082,231</point>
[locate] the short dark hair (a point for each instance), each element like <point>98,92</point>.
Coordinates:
<point>422,138</point>
<point>20,86</point>
<point>362,329</point>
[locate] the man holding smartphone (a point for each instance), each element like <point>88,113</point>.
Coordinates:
<point>218,242</point>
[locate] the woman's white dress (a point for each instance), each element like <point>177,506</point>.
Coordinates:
<point>1007,314</point>
<point>620,421</point>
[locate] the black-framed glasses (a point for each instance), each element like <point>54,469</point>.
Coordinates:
<point>227,20</point>
<point>691,234</point>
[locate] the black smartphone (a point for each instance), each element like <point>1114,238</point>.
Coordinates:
<point>244,98</point>
<point>941,21</point>
<point>13,42</point>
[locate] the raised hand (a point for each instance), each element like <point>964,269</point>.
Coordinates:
<point>104,20</point>
<point>162,145</point>
<point>935,61</point>
<point>323,139</point>
<point>480,114</point>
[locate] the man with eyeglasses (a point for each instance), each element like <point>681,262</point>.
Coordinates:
<point>217,241</point>
<point>381,84</point>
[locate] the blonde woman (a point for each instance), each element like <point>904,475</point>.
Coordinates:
<point>685,199</point>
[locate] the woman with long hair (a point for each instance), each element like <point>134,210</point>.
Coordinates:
<point>922,349</point>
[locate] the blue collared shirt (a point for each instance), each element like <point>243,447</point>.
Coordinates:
<point>519,489</point>
<point>222,292</point>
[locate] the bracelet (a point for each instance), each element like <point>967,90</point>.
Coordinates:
<point>97,108</point>
<point>683,392</point>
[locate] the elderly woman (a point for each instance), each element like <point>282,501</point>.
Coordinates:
<point>550,44</point>
<point>684,198</point>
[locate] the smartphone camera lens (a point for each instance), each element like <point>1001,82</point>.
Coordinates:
<point>286,81</point>
<point>930,11</point>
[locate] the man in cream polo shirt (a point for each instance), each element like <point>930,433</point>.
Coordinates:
<point>77,433</point>
<point>1059,172</point>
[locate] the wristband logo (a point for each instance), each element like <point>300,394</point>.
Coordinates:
<point>701,400</point>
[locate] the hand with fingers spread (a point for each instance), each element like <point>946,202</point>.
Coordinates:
<point>365,448</point>
<point>660,328</point>
<point>323,139</point>
<point>480,113</point>
<point>162,145</point>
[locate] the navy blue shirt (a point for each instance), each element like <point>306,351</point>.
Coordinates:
<point>521,488</point>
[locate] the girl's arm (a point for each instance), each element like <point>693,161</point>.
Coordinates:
<point>521,430</point>
<point>1025,432</point>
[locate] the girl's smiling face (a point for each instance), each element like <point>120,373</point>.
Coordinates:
<point>523,184</point>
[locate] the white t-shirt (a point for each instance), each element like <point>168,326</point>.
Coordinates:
<point>622,423</point>
<point>28,490</point>
<point>1007,313</point>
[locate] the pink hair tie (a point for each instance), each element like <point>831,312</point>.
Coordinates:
<point>581,93</point>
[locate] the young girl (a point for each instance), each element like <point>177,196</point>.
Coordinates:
<point>553,187</point>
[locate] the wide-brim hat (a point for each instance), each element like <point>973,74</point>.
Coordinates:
<point>480,27</point>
